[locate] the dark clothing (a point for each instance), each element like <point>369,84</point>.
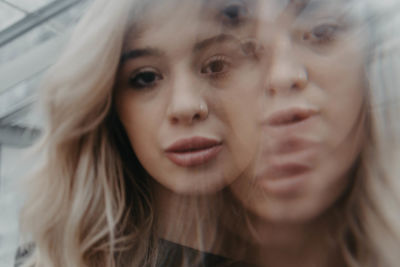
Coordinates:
<point>175,255</point>
<point>171,255</point>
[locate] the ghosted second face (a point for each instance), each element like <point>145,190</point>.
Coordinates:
<point>187,97</point>
<point>313,118</point>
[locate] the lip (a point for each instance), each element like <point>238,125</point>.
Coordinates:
<point>293,145</point>
<point>284,179</point>
<point>193,151</point>
<point>288,187</point>
<point>287,170</point>
<point>290,116</point>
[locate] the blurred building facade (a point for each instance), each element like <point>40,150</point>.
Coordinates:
<point>32,34</point>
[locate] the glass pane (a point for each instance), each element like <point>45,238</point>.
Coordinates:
<point>25,42</point>
<point>19,95</point>
<point>30,5</point>
<point>8,16</point>
<point>68,18</point>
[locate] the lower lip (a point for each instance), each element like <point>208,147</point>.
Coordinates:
<point>284,180</point>
<point>194,158</point>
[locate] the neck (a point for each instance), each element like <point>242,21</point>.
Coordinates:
<point>293,244</point>
<point>185,220</point>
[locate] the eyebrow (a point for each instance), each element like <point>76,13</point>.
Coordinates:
<point>221,38</point>
<point>299,6</point>
<point>136,53</point>
<point>305,7</point>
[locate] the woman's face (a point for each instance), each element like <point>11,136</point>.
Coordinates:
<point>187,97</point>
<point>313,110</point>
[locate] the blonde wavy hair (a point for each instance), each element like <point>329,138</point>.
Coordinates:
<point>371,233</point>
<point>90,202</point>
<point>90,199</point>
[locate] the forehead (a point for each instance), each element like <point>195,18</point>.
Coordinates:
<point>152,11</point>
<point>274,9</point>
<point>155,20</point>
<point>179,20</point>
<point>170,21</point>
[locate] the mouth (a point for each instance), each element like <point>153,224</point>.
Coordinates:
<point>284,179</point>
<point>194,151</point>
<point>287,171</point>
<point>290,116</point>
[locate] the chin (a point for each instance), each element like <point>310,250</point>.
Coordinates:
<point>295,211</point>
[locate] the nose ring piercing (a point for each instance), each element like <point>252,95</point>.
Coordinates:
<point>203,108</point>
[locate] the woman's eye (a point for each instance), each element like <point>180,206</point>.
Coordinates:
<point>216,66</point>
<point>234,13</point>
<point>144,79</point>
<point>322,33</point>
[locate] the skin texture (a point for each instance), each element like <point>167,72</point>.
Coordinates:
<point>195,85</point>
<point>313,61</point>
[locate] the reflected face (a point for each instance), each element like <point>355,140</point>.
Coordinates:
<point>313,114</point>
<point>187,97</point>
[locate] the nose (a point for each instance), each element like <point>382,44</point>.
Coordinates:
<point>187,104</point>
<point>286,71</point>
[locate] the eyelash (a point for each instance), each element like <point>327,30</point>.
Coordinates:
<point>322,34</point>
<point>138,79</point>
<point>219,59</point>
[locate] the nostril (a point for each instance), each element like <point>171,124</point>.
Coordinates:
<point>174,120</point>
<point>196,117</point>
<point>297,86</point>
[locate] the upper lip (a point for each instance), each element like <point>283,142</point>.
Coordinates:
<point>290,115</point>
<point>192,144</point>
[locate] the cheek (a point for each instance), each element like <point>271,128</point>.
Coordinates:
<point>341,90</point>
<point>142,140</point>
<point>133,119</point>
<point>344,109</point>
<point>242,100</point>
<point>239,111</point>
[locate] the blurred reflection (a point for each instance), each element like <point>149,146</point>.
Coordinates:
<point>319,158</point>
<point>313,128</point>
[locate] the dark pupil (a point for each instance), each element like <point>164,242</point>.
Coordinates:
<point>232,12</point>
<point>145,78</point>
<point>324,31</point>
<point>216,66</point>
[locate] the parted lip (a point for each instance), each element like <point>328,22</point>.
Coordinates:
<point>194,151</point>
<point>290,116</point>
<point>192,144</point>
<point>286,170</point>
